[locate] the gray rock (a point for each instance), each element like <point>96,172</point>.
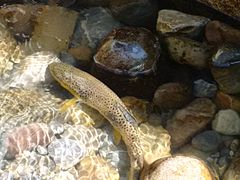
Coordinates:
<point>188,51</point>
<point>135,12</point>
<point>171,22</point>
<point>93,25</point>
<point>227,122</point>
<point>208,141</point>
<point>66,152</point>
<point>203,88</point>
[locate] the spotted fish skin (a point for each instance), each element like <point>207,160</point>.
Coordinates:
<point>97,95</point>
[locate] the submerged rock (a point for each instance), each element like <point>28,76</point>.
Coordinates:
<point>207,141</point>
<point>175,22</point>
<point>95,167</point>
<point>225,69</point>
<point>233,171</point>
<point>130,51</point>
<point>92,25</point>
<point>188,51</point>
<point>227,122</point>
<point>190,120</point>
<point>226,101</point>
<point>178,167</point>
<point>135,12</point>
<point>25,138</point>
<point>219,33</point>
<point>172,96</point>
<point>203,88</point>
<point>53,29</point>
<point>66,152</point>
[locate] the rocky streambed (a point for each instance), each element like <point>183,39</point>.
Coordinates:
<point>175,68</point>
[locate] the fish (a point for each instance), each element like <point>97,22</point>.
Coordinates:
<point>97,95</point>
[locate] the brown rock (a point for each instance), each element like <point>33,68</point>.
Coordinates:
<point>178,167</point>
<point>218,33</point>
<point>140,108</point>
<point>172,96</point>
<point>226,101</point>
<point>190,120</point>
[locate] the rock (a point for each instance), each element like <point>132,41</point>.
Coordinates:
<point>207,141</point>
<point>140,108</point>
<point>91,3</point>
<point>155,141</point>
<point>20,19</point>
<point>190,120</point>
<point>225,69</point>
<point>190,150</point>
<point>227,122</point>
<point>175,22</point>
<point>92,25</point>
<point>68,58</point>
<point>178,167</point>
<point>53,29</point>
<point>142,13</point>
<point>187,51</point>
<point>226,101</point>
<point>32,71</point>
<point>219,33</point>
<point>66,152</point>
<point>203,88</point>
<point>95,167</point>
<point>129,51</point>
<point>230,8</point>
<point>172,96</point>
<point>233,171</point>
<point>10,53</point>
<point>82,54</point>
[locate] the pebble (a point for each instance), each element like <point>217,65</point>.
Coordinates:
<point>226,101</point>
<point>172,96</point>
<point>129,51</point>
<point>141,13</point>
<point>190,120</point>
<point>227,122</point>
<point>172,22</point>
<point>92,25</point>
<point>217,32</point>
<point>187,51</point>
<point>66,152</point>
<point>202,88</point>
<point>225,69</point>
<point>207,141</point>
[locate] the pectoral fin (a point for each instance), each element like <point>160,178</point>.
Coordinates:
<point>66,104</point>
<point>116,137</point>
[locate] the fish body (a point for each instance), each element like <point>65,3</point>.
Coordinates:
<point>97,95</point>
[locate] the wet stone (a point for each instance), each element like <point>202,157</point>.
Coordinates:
<point>92,25</point>
<point>233,171</point>
<point>225,69</point>
<point>207,141</point>
<point>172,96</point>
<point>188,51</point>
<point>190,120</point>
<point>175,22</point>
<point>135,12</point>
<point>66,152</point>
<point>129,51</point>
<point>226,101</point>
<point>202,88</point>
<point>217,32</point>
<point>227,122</point>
